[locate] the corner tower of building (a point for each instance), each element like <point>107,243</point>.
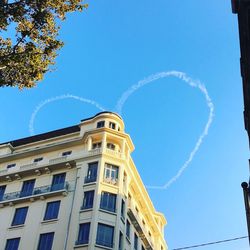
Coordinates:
<point>76,188</point>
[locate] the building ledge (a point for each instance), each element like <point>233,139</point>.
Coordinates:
<point>49,221</point>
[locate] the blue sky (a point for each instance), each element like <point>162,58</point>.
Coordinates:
<point>112,46</point>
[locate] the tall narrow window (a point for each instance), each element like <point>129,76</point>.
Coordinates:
<point>20,216</point>
<point>12,244</point>
<point>58,182</point>
<point>142,247</point>
<point>112,125</point>
<point>2,191</point>
<point>92,172</point>
<point>108,201</point>
<point>123,209</point>
<point>83,234</point>
<point>105,234</point>
<point>88,199</point>
<point>128,229</point>
<point>52,210</point>
<point>27,188</point>
<point>120,241</point>
<point>45,241</point>
<point>111,173</point>
<point>135,242</point>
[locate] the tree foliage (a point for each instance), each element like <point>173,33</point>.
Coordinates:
<point>28,54</point>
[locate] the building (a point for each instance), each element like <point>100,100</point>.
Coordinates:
<point>242,9</point>
<point>76,188</point>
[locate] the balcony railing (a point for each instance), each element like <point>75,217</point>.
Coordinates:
<point>113,181</point>
<point>89,179</point>
<point>39,191</point>
<point>139,227</point>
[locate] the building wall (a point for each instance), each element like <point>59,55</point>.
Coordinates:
<point>145,222</point>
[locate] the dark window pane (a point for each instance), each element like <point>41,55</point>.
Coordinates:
<point>52,210</point>
<point>66,153</point>
<point>11,165</point>
<point>38,159</point>
<point>83,235</point>
<point>88,199</point>
<point>123,209</point>
<point>108,201</point>
<point>58,182</point>
<point>100,124</point>
<point>2,190</point>
<point>27,188</point>
<point>45,241</point>
<point>135,241</point>
<point>120,241</point>
<point>92,172</point>
<point>20,216</point>
<point>105,235</point>
<point>12,244</point>
<point>128,229</point>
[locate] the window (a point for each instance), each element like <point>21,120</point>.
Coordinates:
<point>142,248</point>
<point>58,182</point>
<point>38,159</point>
<point>52,210</point>
<point>83,235</point>
<point>111,173</point>
<point>112,125</point>
<point>105,235</point>
<point>128,229</point>
<point>27,188</point>
<point>111,146</point>
<point>66,153</point>
<point>11,165</point>
<point>12,244</point>
<point>45,241</point>
<point>96,145</point>
<point>120,241</point>
<point>100,124</point>
<point>108,201</point>
<point>123,209</point>
<point>135,241</point>
<point>88,199</point>
<point>92,172</point>
<point>20,216</point>
<point>2,190</point>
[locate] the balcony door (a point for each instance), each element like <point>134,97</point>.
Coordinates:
<point>58,182</point>
<point>27,188</point>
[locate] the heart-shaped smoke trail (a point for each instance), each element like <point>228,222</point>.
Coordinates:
<point>191,83</point>
<point>124,98</point>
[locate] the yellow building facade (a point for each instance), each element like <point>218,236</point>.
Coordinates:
<point>76,188</point>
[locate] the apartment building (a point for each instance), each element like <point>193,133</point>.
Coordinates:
<point>76,188</point>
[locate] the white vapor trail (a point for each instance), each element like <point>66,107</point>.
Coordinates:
<point>57,98</point>
<point>191,83</point>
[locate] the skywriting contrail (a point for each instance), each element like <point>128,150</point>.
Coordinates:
<point>125,96</point>
<point>57,98</point>
<point>191,83</point>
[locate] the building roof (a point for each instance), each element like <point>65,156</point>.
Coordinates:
<point>242,9</point>
<point>54,133</point>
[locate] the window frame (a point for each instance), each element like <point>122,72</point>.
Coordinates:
<point>100,124</point>
<point>102,237</point>
<point>19,217</point>
<point>108,201</point>
<point>87,200</point>
<point>42,247</point>
<point>52,215</point>
<point>8,241</point>
<point>83,236</point>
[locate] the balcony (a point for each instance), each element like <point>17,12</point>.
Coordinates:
<point>36,193</point>
<point>136,221</point>
<point>89,179</point>
<point>112,181</point>
<point>36,168</point>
